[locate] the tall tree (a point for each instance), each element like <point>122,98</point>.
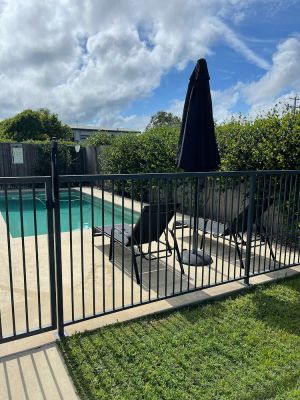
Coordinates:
<point>34,125</point>
<point>163,118</point>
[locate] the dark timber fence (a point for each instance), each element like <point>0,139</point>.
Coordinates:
<point>79,247</point>
<point>35,163</point>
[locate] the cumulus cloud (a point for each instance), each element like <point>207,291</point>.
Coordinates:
<point>282,76</point>
<point>88,60</point>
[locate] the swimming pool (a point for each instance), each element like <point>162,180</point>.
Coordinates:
<point>41,215</point>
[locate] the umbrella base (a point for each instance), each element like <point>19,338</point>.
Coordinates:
<point>195,258</point>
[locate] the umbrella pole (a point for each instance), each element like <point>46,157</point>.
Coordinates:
<point>195,257</point>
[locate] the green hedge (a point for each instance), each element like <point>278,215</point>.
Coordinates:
<point>270,142</point>
<point>152,151</point>
<point>267,142</point>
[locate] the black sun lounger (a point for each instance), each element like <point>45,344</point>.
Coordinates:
<point>151,225</point>
<point>236,228</point>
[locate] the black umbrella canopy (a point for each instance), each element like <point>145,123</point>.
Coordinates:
<point>197,143</point>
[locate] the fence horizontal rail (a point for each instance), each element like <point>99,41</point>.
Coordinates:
<point>24,180</point>
<point>171,175</point>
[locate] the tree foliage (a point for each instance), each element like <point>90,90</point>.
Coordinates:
<point>152,151</point>
<point>163,118</point>
<point>34,125</point>
<point>268,142</point>
<point>99,138</point>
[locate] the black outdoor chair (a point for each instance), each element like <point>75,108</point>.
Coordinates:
<point>151,225</point>
<point>236,228</point>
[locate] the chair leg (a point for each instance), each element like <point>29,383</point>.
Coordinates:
<point>177,251</point>
<point>238,250</point>
<point>267,239</point>
<point>136,271</point>
<point>110,257</point>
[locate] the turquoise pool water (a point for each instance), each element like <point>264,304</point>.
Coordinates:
<point>28,213</point>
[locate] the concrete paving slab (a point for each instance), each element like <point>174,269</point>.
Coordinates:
<point>36,374</point>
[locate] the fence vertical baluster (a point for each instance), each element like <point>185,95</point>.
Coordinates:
<point>256,230</point>
<point>296,214</point>
<point>231,218</point>
<point>149,233</point>
<point>247,186</point>
<point>267,218</point>
<point>11,284</point>
<point>182,223</point>
<point>218,230</point>
<point>93,247</point>
<point>204,227</point>
<point>278,219</point>
<point>71,250</point>
<point>113,247</point>
<point>225,220</point>
<point>23,259</point>
<point>251,211</point>
<point>37,266</point>
<point>297,232</point>
<point>261,225</point>
<point>283,216</point>
<point>157,235</point>
<point>174,230</point>
<point>166,222</point>
<point>288,219</point>
<point>197,225</point>
<point>81,252</point>
<point>123,260</point>
<point>131,242</point>
<point>103,255</point>
<point>212,191</point>
<point>273,217</point>
<point>236,226</point>
<point>140,244</point>
<point>191,233</point>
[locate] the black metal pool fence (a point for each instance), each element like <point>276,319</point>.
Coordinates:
<point>125,237</point>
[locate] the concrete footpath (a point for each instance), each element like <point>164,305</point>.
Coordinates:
<point>34,375</point>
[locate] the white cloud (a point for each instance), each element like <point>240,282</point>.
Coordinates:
<point>282,76</point>
<point>88,60</point>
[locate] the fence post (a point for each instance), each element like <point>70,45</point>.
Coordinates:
<point>55,198</point>
<point>250,218</point>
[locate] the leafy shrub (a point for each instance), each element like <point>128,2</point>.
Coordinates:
<point>99,139</point>
<point>270,142</point>
<point>66,158</point>
<point>152,151</point>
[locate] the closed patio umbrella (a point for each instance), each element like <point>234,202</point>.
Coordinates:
<point>197,150</point>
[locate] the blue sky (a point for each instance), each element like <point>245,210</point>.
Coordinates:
<point>116,63</point>
<point>226,66</point>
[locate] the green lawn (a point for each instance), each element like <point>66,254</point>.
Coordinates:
<point>247,347</point>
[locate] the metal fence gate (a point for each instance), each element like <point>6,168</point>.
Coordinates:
<point>27,265</point>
